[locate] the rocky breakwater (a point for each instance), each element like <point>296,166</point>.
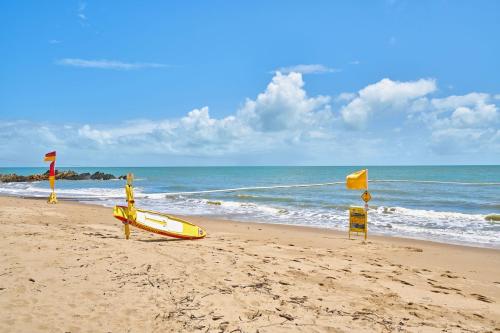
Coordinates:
<point>66,175</point>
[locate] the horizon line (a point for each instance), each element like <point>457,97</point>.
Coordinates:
<point>247,166</point>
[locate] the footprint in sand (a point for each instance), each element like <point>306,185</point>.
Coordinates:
<point>442,287</point>
<point>403,282</point>
<point>414,249</point>
<point>376,264</point>
<point>440,292</point>
<point>369,276</point>
<point>482,298</point>
<point>449,276</point>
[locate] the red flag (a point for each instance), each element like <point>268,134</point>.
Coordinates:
<point>50,157</point>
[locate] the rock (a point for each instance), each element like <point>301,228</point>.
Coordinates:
<point>66,175</point>
<point>84,176</point>
<point>13,178</point>
<point>102,176</point>
<point>70,175</point>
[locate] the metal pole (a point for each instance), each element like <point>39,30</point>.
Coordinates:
<point>366,206</point>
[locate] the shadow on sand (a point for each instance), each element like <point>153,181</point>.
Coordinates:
<point>158,240</point>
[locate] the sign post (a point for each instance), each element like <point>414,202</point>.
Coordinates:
<point>358,216</point>
<point>358,220</point>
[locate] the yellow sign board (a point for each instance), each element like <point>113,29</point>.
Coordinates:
<point>366,196</point>
<point>358,220</point>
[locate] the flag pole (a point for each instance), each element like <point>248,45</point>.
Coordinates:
<point>366,206</point>
<point>51,157</point>
<point>131,211</point>
<point>358,216</point>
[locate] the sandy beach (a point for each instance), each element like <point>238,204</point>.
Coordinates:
<point>68,268</point>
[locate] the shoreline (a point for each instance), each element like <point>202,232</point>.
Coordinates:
<point>221,218</point>
<point>68,266</point>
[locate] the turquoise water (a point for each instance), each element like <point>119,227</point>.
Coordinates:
<point>441,203</point>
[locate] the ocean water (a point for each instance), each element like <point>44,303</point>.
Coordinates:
<point>440,203</point>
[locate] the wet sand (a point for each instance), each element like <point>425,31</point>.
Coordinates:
<point>68,268</point>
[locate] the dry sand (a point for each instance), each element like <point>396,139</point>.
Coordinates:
<point>67,268</point>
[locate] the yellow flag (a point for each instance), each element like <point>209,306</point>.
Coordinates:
<point>357,180</point>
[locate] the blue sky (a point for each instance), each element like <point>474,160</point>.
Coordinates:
<point>256,82</point>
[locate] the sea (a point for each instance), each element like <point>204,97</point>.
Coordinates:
<point>439,203</point>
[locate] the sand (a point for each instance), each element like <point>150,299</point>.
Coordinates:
<point>68,268</point>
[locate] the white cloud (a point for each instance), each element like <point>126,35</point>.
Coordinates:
<point>81,11</point>
<point>106,64</point>
<point>54,41</point>
<point>462,122</point>
<point>308,69</point>
<point>384,95</point>
<point>283,115</point>
<point>481,116</point>
<point>101,137</point>
<point>454,101</point>
<point>388,91</point>
<point>354,62</point>
<point>474,110</point>
<point>283,124</point>
<point>284,106</point>
<point>345,97</point>
<point>449,141</point>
